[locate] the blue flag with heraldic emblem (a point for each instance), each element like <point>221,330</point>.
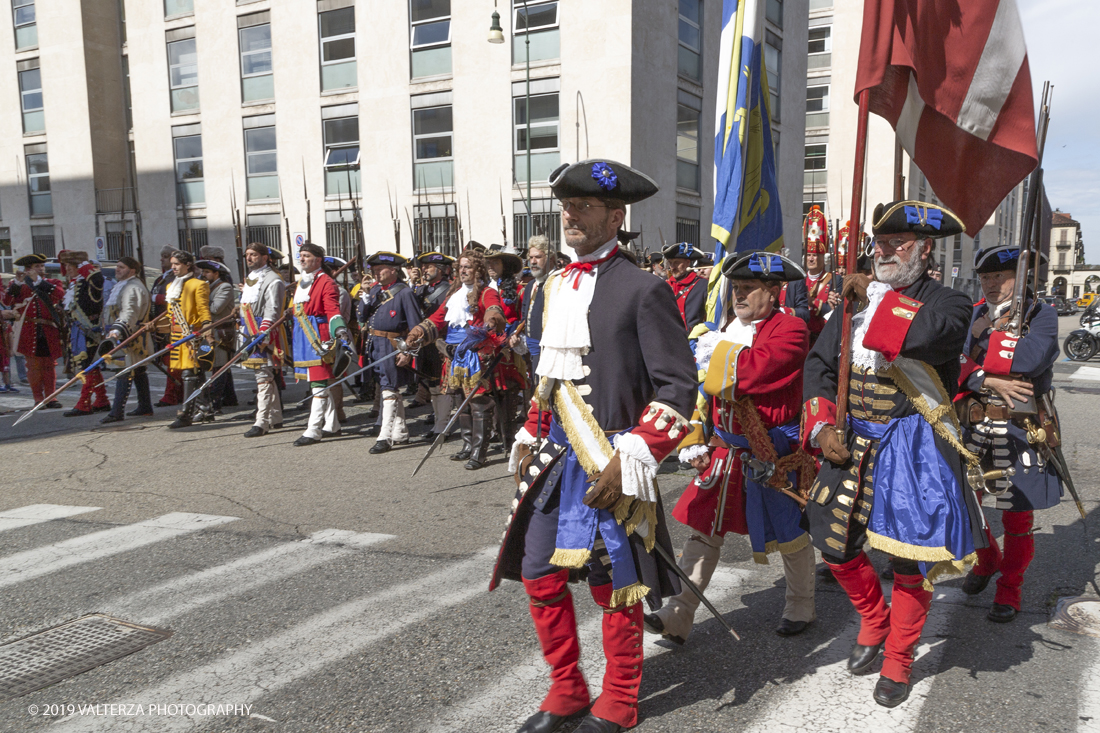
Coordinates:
<point>747,213</point>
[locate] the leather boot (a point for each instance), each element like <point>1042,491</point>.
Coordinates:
<point>622,646</point>
<point>908,612</point>
<point>466,428</point>
<point>185,416</point>
<point>481,408</point>
<point>556,625</point>
<point>860,581</point>
<point>141,385</point>
<point>1019,552</point>
<point>122,393</point>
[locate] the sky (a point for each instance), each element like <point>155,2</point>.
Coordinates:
<point>1062,48</point>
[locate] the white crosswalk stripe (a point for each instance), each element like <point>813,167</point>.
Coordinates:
<point>156,605</point>
<point>37,513</point>
<point>505,705</point>
<point>1088,711</point>
<point>41,561</point>
<point>261,668</point>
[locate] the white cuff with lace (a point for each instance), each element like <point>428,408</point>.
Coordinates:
<point>522,438</point>
<point>639,467</point>
<point>687,455</point>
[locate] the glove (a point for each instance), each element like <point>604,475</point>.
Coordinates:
<point>831,447</point>
<point>607,488</point>
<point>495,321</point>
<point>526,455</point>
<point>856,284</point>
<point>416,337</point>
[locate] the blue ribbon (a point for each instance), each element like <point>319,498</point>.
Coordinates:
<point>1006,255</point>
<point>605,176</point>
<point>932,217</point>
<point>765,263</point>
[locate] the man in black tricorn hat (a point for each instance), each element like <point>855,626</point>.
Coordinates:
<point>687,286</point>
<point>435,268</point>
<point>896,480</point>
<point>614,391</point>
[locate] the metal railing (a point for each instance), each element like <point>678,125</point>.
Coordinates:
<point>687,230</point>
<point>198,239</point>
<point>43,244</point>
<point>119,244</point>
<point>547,224</point>
<point>438,234</point>
<point>267,234</point>
<point>113,200</point>
<point>340,239</point>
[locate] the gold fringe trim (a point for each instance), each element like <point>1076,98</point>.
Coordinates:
<point>798,543</point>
<point>934,417</point>
<point>570,558</point>
<point>945,569</point>
<point>910,552</point>
<point>567,397</point>
<point>628,596</point>
<point>631,514</point>
<point>760,558</point>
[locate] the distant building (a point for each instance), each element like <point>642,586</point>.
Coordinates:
<point>140,120</point>
<point>1070,277</point>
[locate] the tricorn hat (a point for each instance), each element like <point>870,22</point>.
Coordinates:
<point>758,265</point>
<point>684,251</point>
<point>1004,257</point>
<point>927,221</point>
<point>602,179</point>
<point>386,258</point>
<point>513,264</point>
<point>435,258</point>
<point>31,260</point>
<point>213,266</point>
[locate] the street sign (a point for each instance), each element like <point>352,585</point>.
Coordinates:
<point>954,272</point>
<point>100,249</point>
<point>299,239</point>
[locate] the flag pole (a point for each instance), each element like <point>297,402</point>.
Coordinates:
<point>855,232</point>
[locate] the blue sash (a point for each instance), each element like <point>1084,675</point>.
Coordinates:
<point>305,355</point>
<point>918,511</point>
<point>774,520</point>
<point>465,364</point>
<point>578,523</point>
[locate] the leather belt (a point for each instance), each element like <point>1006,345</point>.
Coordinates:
<point>978,412</point>
<point>389,334</point>
<point>43,322</point>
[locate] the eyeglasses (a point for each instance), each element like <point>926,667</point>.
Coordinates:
<point>580,206</point>
<point>894,244</point>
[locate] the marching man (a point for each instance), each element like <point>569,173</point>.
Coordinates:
<point>37,334</point>
<point>263,298</point>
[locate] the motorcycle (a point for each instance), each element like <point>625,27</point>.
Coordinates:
<point>1084,343</point>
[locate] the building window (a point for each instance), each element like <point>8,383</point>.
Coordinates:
<point>183,75</point>
<point>430,37</point>
<point>341,155</point>
<point>435,227</point>
<point>820,48</point>
<point>261,163</point>
<point>687,230</point>
<point>687,147</point>
<point>38,183</point>
<point>774,12</point>
<point>191,234</point>
<point>545,153</point>
<point>433,139</point>
<point>337,49</point>
<point>174,8</point>
<point>257,79</point>
<point>30,92</point>
<point>340,234</point>
<point>817,99</point>
<point>265,229</point>
<point>816,175</point>
<point>691,39</point>
<point>42,242</point>
<point>538,24</point>
<point>7,263</point>
<point>26,28</point>
<point>120,239</point>
<point>189,176</point>
<point>773,67</point>
<point>545,220</point>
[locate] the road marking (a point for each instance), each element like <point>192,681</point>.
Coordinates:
<point>1092,374</point>
<point>1088,707</point>
<point>39,513</point>
<point>60,555</point>
<point>176,597</point>
<point>258,669</point>
<point>831,700</point>
<point>510,700</point>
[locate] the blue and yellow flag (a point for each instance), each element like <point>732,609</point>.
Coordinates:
<point>747,213</point>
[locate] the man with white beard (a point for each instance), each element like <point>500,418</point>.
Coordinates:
<point>542,260</point>
<point>896,480</point>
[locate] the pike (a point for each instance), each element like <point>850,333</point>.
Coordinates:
<point>239,355</point>
<point>413,233</point>
<point>305,192</point>
<point>237,231</point>
<point>286,222</point>
<point>353,375</point>
<point>171,346</point>
<point>80,376</point>
<point>395,217</point>
<point>454,418</point>
<point>503,219</point>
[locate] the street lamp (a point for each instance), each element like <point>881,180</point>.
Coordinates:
<point>496,35</point>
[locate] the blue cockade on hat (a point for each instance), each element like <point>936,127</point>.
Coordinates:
<point>1006,255</point>
<point>765,263</point>
<point>605,176</point>
<point>918,215</point>
<point>684,249</point>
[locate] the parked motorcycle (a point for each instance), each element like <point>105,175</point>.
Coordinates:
<point>1082,344</point>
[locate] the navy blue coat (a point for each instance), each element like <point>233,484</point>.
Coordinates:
<point>396,310</point>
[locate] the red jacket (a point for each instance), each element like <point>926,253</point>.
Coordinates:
<point>37,321</point>
<point>488,299</point>
<point>771,371</point>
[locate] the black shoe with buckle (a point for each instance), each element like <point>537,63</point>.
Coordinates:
<point>381,446</point>
<point>890,694</point>
<point>53,405</point>
<point>862,657</point>
<point>75,412</point>
<point>110,419</point>
<point>462,455</point>
<point>473,464</point>
<point>592,724</point>
<point>255,432</point>
<point>652,623</point>
<point>181,422</point>
<point>975,584</point>
<point>1001,614</point>
<point>306,441</point>
<point>787,627</point>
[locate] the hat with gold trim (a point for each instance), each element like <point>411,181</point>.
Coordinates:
<point>927,221</point>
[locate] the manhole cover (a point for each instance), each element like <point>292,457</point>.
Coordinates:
<point>47,657</point>
<point>1078,615</point>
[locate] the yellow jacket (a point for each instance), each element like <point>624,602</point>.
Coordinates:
<point>194,304</point>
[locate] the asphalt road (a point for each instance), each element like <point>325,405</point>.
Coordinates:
<point>387,625</point>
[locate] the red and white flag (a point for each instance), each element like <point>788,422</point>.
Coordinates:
<point>952,78</point>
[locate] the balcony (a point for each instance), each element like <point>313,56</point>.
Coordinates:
<point>113,200</point>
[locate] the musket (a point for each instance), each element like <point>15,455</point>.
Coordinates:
<point>240,355</point>
<point>186,219</point>
<point>503,219</point>
<point>395,217</point>
<point>358,220</point>
<point>305,191</point>
<point>286,222</point>
<point>413,233</point>
<point>80,376</point>
<point>486,372</point>
<point>469,217</point>
<point>237,229</point>
<point>171,346</point>
<point>355,374</point>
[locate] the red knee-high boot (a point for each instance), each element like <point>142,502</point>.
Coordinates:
<point>1019,551</point>
<point>860,581</point>
<point>908,612</point>
<point>99,390</point>
<point>989,558</point>
<point>622,646</point>
<point>556,625</point>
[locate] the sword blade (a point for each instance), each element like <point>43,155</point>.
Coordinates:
<point>1060,467</point>
<point>443,436</point>
<point>353,375</point>
<point>693,588</point>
